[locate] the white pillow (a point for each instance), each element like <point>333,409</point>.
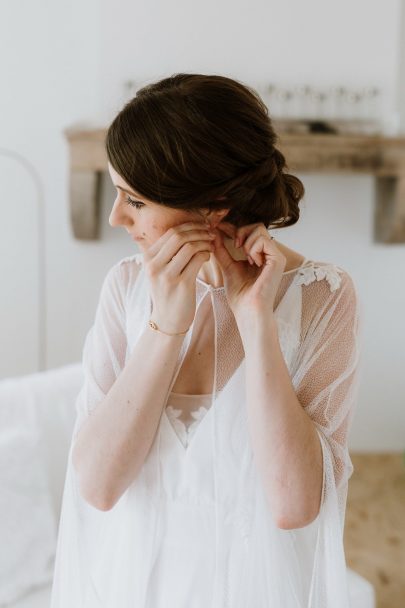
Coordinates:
<point>27,520</point>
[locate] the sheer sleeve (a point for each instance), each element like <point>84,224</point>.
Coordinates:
<point>104,348</point>
<point>327,371</point>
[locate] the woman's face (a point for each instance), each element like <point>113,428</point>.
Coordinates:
<point>144,220</point>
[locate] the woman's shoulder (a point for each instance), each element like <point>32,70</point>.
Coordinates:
<point>128,266</point>
<point>123,273</point>
<point>306,271</point>
<point>131,261</point>
<point>328,289</point>
<point>325,274</point>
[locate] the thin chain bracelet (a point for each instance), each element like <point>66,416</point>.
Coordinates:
<point>153,325</point>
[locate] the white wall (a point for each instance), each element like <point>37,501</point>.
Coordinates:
<point>323,42</point>
<point>49,63</point>
<point>66,62</point>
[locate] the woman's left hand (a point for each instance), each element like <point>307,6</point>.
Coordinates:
<point>250,287</point>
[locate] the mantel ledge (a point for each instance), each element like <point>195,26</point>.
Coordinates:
<point>380,156</point>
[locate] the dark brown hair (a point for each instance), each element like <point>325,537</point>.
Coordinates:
<point>189,139</point>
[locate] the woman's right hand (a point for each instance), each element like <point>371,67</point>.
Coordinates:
<point>173,280</point>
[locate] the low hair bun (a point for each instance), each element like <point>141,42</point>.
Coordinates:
<point>290,192</point>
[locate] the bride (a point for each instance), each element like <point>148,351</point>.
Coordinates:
<point>209,462</point>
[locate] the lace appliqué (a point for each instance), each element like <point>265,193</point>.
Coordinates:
<point>185,431</point>
<point>314,272</point>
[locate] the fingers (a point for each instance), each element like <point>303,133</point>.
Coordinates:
<point>257,248</point>
<point>192,269</point>
<point>171,242</point>
<point>263,251</point>
<point>222,254</point>
<point>241,234</point>
<point>249,240</point>
<point>200,250</point>
<point>256,243</point>
<point>244,232</point>
<point>186,226</point>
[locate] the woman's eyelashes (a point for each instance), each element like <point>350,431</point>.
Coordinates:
<point>136,204</point>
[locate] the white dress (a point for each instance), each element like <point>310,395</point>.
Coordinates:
<point>194,529</point>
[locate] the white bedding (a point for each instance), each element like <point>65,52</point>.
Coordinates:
<point>37,413</point>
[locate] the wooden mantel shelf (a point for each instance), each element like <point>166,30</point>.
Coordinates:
<point>383,157</point>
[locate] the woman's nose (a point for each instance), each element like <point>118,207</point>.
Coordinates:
<point>118,217</point>
<point>113,220</point>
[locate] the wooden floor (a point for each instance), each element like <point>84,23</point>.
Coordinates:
<point>374,536</point>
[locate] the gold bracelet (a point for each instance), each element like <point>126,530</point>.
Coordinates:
<point>153,325</point>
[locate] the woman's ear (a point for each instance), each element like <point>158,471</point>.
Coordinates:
<point>217,216</point>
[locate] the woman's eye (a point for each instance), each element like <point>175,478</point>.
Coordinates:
<point>136,204</point>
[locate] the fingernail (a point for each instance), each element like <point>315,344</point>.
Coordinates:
<point>237,241</point>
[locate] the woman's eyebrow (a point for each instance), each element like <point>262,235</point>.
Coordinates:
<point>127,191</point>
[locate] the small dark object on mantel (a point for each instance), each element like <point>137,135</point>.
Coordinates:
<point>320,126</point>
<point>326,126</point>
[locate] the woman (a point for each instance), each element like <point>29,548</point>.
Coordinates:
<point>209,461</point>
